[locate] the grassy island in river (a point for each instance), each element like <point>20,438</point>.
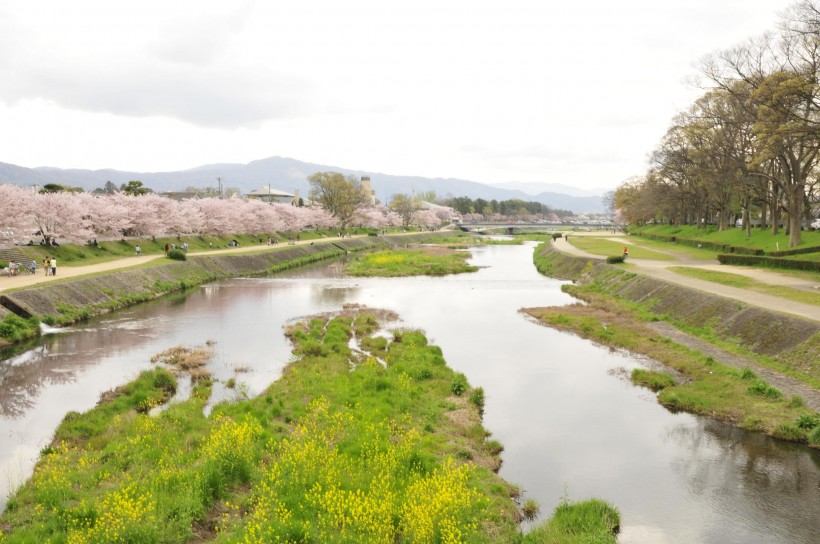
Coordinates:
<point>366,437</point>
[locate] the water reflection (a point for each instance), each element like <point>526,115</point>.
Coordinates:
<point>568,422</point>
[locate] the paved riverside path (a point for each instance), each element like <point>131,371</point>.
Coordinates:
<point>661,270</point>
<point>64,272</point>
<point>658,269</point>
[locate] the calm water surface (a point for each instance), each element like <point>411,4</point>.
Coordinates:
<point>571,424</point>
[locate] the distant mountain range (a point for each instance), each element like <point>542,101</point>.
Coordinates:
<point>291,175</point>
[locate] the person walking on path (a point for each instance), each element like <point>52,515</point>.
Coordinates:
<point>138,249</point>
<point>45,265</point>
<point>626,252</point>
<point>53,264</point>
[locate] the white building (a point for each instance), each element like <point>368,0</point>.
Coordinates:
<point>267,194</point>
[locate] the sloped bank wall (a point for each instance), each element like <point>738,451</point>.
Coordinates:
<point>75,300</point>
<point>760,330</point>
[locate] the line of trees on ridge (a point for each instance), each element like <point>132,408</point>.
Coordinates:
<point>749,146</point>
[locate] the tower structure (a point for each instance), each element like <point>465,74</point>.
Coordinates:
<point>368,189</point>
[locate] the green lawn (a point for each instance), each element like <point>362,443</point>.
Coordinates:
<point>761,239</point>
<point>601,246</point>
<point>683,251</point>
<point>744,282</point>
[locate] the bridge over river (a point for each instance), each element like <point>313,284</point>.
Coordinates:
<point>490,227</point>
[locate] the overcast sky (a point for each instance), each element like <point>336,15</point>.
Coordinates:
<point>562,91</point>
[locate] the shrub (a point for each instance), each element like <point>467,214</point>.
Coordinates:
<point>615,259</point>
<point>177,255</point>
<point>459,385</point>
<point>774,262</point>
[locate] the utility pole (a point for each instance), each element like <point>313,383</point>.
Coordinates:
<point>219,179</point>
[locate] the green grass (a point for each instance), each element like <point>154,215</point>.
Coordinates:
<point>17,329</point>
<point>710,388</point>
<point>326,454</point>
<point>761,239</point>
<point>330,453</point>
<point>585,522</point>
<point>81,255</point>
<point>680,251</point>
<point>410,262</point>
<point>652,379</point>
<point>745,282</point>
<point>605,247</point>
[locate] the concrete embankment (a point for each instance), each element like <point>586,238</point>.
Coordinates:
<point>760,330</point>
<point>62,303</point>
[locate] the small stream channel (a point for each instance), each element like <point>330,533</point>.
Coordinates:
<point>571,424</point>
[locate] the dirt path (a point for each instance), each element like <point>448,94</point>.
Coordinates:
<point>788,386</point>
<point>661,270</point>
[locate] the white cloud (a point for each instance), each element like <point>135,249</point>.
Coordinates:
<point>489,90</point>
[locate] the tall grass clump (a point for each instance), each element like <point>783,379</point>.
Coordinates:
<point>591,521</point>
<point>763,389</point>
<point>652,379</point>
<point>14,328</point>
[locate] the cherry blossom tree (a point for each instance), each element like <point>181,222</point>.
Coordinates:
<point>427,218</point>
<point>15,221</point>
<point>370,216</point>
<point>190,216</point>
<point>143,214</point>
<point>319,217</point>
<point>60,215</point>
<point>219,217</point>
<point>258,217</point>
<point>108,217</point>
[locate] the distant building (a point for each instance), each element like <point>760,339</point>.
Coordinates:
<point>267,194</point>
<point>181,195</point>
<point>368,188</point>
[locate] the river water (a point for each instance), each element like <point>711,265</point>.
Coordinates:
<point>571,424</point>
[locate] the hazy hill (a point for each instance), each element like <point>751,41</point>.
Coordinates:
<point>287,175</point>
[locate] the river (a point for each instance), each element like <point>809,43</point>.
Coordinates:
<point>571,423</point>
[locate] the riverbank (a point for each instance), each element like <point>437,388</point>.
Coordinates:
<point>366,437</point>
<point>61,302</point>
<point>637,313</point>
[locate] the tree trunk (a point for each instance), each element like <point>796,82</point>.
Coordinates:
<point>795,214</point>
<point>775,212</point>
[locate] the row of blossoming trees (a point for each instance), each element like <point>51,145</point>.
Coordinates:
<point>78,217</point>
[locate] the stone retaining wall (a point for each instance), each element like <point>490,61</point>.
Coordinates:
<point>760,330</point>
<point>69,301</point>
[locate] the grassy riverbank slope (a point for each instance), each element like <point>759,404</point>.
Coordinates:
<point>621,310</point>
<point>367,437</point>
